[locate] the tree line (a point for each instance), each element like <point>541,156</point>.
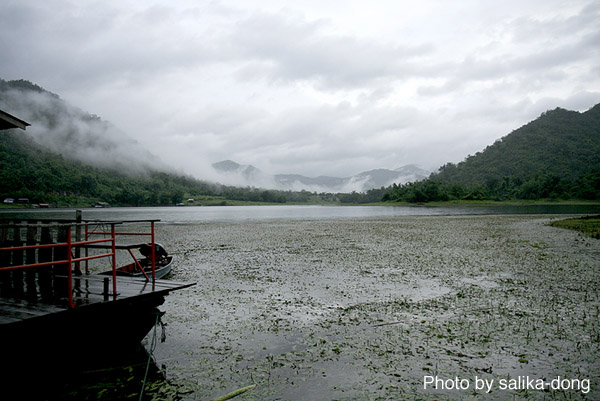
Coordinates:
<point>29,171</point>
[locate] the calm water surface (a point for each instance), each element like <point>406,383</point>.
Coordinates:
<point>274,298</point>
<point>190,214</point>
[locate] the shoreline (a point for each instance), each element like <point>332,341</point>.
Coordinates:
<point>483,203</point>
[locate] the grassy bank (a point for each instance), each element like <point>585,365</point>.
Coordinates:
<point>589,225</point>
<point>485,203</point>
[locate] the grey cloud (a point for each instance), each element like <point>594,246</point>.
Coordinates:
<point>318,136</point>
<point>324,101</point>
<point>89,45</point>
<point>283,49</point>
<point>530,29</point>
<point>541,49</point>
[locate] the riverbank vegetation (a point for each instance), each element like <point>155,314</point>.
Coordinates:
<point>589,225</point>
<point>27,171</point>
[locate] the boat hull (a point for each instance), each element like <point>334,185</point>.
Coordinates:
<point>109,325</point>
<point>131,270</point>
<point>51,346</point>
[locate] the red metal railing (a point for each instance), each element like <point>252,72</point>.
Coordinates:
<point>70,260</point>
<point>113,233</point>
<point>87,243</point>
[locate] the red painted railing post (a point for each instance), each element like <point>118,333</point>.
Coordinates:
<point>87,264</point>
<point>153,252</point>
<point>114,259</point>
<point>70,272</point>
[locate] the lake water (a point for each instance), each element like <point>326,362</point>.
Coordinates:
<point>360,302</point>
<point>191,214</point>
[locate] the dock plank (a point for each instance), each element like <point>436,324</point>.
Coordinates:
<point>87,290</point>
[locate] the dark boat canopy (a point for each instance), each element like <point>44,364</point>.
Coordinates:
<point>8,121</point>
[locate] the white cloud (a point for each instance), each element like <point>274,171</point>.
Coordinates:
<point>311,87</point>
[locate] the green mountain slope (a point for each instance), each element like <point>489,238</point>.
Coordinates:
<point>28,170</point>
<point>560,142</point>
<point>77,135</point>
<point>555,156</point>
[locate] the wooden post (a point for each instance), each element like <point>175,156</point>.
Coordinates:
<point>78,220</point>
<point>5,287</point>
<point>45,272</point>
<point>17,260</point>
<point>61,269</point>
<point>153,253</point>
<point>30,257</point>
<point>69,270</point>
<point>113,234</point>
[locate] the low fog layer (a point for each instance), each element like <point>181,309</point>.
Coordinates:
<point>77,135</point>
<point>231,173</point>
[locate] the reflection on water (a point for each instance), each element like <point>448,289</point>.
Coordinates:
<point>118,377</point>
<point>314,309</point>
<point>190,214</point>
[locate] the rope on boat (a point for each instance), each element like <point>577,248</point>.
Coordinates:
<point>152,348</point>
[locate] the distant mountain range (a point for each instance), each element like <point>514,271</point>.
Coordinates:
<point>232,173</point>
<point>70,156</point>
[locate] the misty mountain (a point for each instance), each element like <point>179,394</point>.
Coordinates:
<point>249,172</point>
<point>76,135</point>
<point>233,173</point>
<point>382,178</point>
<point>83,137</point>
<point>556,156</point>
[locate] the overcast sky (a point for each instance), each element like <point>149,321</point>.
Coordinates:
<point>315,87</point>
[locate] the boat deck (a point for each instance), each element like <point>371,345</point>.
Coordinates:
<point>44,271</point>
<point>87,290</point>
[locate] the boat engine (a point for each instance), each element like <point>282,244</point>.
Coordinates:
<point>160,252</point>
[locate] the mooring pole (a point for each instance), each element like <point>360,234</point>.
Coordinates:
<point>153,253</point>
<point>106,280</point>
<point>69,270</point>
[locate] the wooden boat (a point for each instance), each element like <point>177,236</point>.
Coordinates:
<point>163,267</point>
<point>143,268</point>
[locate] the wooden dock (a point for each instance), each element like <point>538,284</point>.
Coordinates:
<point>51,305</point>
<point>88,290</point>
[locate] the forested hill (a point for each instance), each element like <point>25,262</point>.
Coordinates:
<point>77,135</point>
<point>560,142</point>
<point>29,171</point>
<point>555,156</point>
